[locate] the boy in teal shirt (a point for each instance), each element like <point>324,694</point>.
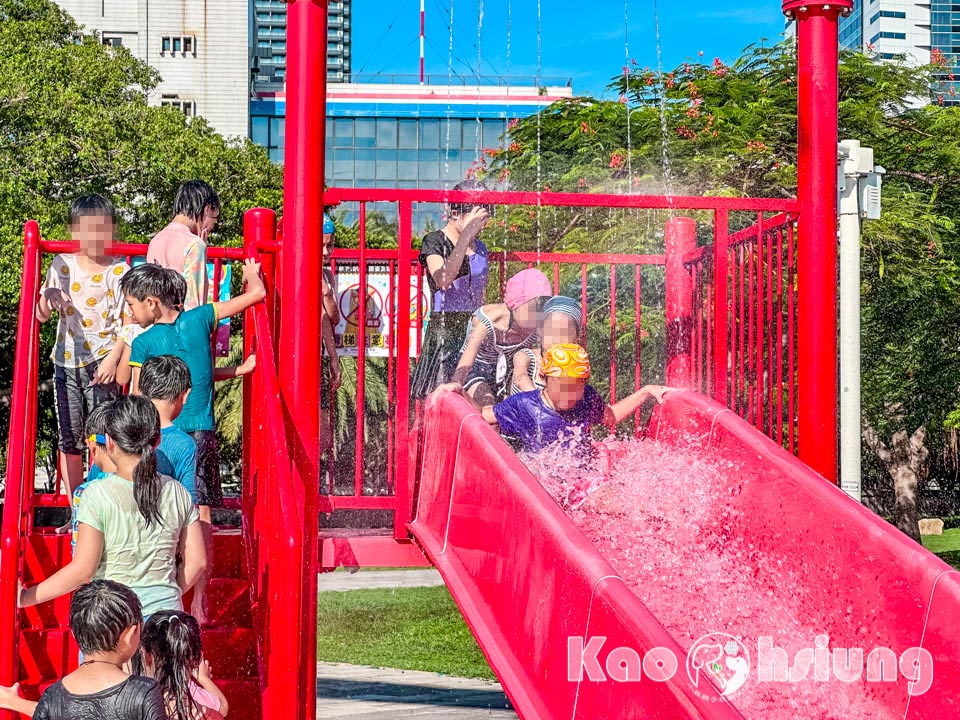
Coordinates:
<point>153,294</point>
<point>165,380</point>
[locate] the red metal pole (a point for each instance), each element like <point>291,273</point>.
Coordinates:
<point>721,354</point>
<point>20,471</point>
<point>301,262</point>
<point>361,353</point>
<point>680,239</point>
<point>404,473</point>
<point>817,56</point>
<point>259,230</point>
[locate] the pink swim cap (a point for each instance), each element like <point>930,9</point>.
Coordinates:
<point>525,286</point>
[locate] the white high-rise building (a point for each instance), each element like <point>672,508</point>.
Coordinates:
<point>919,32</point>
<point>890,28</point>
<point>199,47</point>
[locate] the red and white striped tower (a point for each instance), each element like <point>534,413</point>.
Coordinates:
<point>421,40</point>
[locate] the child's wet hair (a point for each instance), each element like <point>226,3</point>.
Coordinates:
<point>87,205</point>
<point>459,209</point>
<point>172,639</point>
<point>97,420</point>
<point>193,198</point>
<point>151,280</point>
<point>134,425</point>
<point>99,613</point>
<point>164,377</point>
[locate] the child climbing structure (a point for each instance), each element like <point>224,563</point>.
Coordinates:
<point>537,583</point>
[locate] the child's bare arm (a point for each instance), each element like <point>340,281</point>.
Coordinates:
<point>134,380</point>
<point>330,305</point>
<point>123,367</point>
<point>521,372</point>
<point>477,335</point>
<point>10,700</point>
<point>205,680</point>
<point>194,554</point>
<point>254,292</point>
<point>623,409</point>
<point>68,578</point>
<point>234,371</point>
<point>330,343</point>
<point>44,311</point>
<point>108,370</point>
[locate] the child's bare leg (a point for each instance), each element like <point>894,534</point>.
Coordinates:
<point>199,606</point>
<point>71,470</point>
<point>326,433</point>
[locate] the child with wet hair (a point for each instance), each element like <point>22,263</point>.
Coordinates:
<point>105,618</point>
<point>172,654</point>
<point>133,523</point>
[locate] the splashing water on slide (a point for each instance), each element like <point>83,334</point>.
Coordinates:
<point>667,520</point>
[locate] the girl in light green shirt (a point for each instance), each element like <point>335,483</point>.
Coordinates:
<point>133,523</point>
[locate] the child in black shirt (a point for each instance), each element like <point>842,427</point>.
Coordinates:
<point>105,618</point>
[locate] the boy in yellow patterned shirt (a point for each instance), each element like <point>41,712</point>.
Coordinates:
<point>84,289</point>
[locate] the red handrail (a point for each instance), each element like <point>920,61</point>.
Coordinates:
<point>274,520</point>
<point>21,450</point>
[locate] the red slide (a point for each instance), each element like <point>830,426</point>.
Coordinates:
<point>849,619</point>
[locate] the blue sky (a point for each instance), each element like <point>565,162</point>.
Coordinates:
<point>585,41</point>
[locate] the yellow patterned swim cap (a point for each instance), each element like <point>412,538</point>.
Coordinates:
<point>566,360</point>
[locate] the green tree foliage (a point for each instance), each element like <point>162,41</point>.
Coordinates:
<point>75,119</point>
<point>707,128</point>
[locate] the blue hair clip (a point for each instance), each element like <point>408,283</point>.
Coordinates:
<point>98,439</point>
<point>328,227</point>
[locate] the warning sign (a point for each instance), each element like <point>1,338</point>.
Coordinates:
<point>379,321</point>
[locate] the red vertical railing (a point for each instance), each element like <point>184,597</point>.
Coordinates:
<point>744,318</point>
<point>274,517</point>
<point>21,449</point>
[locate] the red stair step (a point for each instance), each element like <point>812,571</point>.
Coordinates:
<point>46,655</point>
<point>48,615</point>
<point>228,555</point>
<point>45,553</point>
<point>228,603</point>
<point>243,697</point>
<point>232,653</point>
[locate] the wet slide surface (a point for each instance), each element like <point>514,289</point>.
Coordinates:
<point>704,573</point>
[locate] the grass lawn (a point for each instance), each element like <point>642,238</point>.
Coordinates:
<point>406,628</point>
<point>947,546</point>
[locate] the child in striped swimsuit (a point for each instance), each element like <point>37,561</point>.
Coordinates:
<point>562,319</point>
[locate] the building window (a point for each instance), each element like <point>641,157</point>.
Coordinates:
<point>187,107</point>
<point>888,36</point>
<point>888,14</point>
<point>112,40</point>
<point>178,45</point>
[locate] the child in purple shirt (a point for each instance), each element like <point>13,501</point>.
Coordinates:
<point>567,407</point>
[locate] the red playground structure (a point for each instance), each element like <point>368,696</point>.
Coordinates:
<point>751,340</point>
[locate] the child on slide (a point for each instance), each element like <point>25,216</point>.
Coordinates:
<point>539,418</point>
<point>497,332</point>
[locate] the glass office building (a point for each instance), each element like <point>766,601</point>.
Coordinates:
<point>406,136</point>
<point>268,62</point>
<point>851,27</point>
